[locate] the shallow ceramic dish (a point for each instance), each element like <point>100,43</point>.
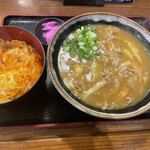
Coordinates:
<point>95,18</point>
<point>16,33</point>
<point>39,33</point>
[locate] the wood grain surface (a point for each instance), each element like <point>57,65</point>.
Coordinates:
<point>124,135</point>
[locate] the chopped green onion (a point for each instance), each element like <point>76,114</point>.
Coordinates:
<point>83,43</point>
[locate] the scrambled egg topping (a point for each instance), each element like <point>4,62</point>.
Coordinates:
<point>20,67</point>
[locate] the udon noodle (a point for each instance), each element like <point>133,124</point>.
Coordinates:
<point>118,76</point>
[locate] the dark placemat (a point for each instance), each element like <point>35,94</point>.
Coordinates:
<point>48,106</point>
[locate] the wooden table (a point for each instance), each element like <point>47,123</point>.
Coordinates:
<point>114,136</point>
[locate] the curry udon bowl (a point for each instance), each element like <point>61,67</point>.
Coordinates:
<point>96,19</point>
<point>9,33</point>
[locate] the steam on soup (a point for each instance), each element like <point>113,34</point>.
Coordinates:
<point>105,67</point>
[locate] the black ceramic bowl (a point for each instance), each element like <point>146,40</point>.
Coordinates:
<point>39,33</point>
<point>96,18</point>
<point>15,33</point>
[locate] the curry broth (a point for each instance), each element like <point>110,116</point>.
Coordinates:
<point>118,78</point>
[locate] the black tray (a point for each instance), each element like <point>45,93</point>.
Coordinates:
<point>48,106</point>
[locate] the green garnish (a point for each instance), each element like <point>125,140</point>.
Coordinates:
<point>83,43</point>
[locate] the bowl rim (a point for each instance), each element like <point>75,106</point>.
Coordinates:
<point>44,62</point>
<point>44,19</point>
<point>76,104</point>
